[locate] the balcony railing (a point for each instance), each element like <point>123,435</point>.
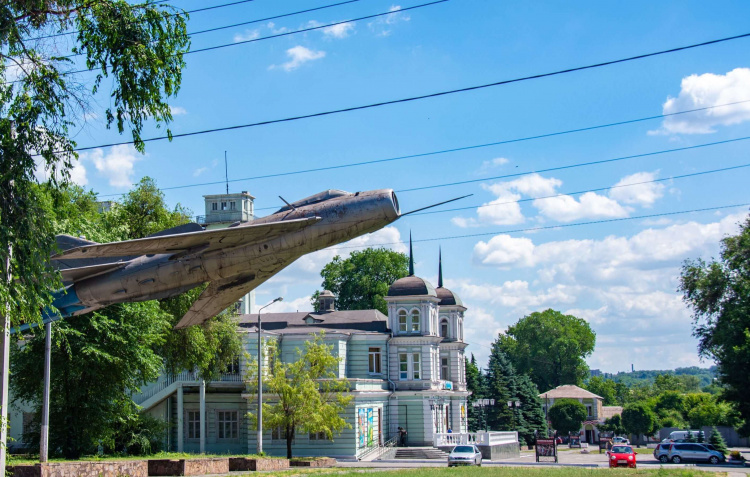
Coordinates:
<point>190,377</point>
<point>481,438</point>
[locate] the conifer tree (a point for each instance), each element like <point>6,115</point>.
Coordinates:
<point>531,409</point>
<point>717,440</point>
<point>475,385</point>
<point>501,386</point>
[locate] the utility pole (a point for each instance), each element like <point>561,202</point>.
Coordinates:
<point>44,438</point>
<point>5,351</point>
<point>260,377</point>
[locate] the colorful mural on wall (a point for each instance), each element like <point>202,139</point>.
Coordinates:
<point>365,426</point>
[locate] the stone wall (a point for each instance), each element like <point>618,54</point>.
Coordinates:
<point>188,466</point>
<point>131,468</point>
<point>318,462</point>
<point>245,464</point>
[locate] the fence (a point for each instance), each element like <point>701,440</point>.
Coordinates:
<point>481,438</point>
<point>166,380</point>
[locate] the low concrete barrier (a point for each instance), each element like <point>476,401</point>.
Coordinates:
<point>316,462</point>
<point>130,468</point>
<point>247,463</point>
<point>169,467</point>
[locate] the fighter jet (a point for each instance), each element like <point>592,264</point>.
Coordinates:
<point>233,261</point>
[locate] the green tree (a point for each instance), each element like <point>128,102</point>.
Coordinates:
<point>638,419</point>
<point>550,347</point>
<point>606,388</point>
<point>475,385</point>
<point>130,344</point>
<point>136,52</point>
<point>670,401</point>
<point>613,424</point>
<point>501,386</point>
<point>361,281</point>
<point>310,396</point>
<point>567,415</point>
<point>531,409</point>
<point>717,440</point>
<point>117,343</point>
<point>145,211</point>
<point>719,294</point>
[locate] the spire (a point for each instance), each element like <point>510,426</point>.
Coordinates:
<point>440,267</point>
<point>411,257</point>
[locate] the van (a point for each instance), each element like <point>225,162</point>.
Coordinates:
<point>681,436</point>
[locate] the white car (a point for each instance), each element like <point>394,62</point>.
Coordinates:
<point>465,455</point>
<point>620,440</point>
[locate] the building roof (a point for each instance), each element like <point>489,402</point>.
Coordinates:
<point>351,321</point>
<point>410,286</point>
<point>569,391</point>
<point>609,411</point>
<point>447,297</point>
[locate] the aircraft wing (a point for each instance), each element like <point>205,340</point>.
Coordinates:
<point>204,240</point>
<point>219,296</point>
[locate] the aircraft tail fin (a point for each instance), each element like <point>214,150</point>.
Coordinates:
<point>66,242</point>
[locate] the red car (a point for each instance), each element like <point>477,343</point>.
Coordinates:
<point>622,455</point>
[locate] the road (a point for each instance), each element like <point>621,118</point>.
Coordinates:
<point>568,458</point>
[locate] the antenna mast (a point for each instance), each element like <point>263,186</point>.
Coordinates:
<point>226,171</point>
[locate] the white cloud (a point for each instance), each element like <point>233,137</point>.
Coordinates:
<point>247,35</point>
<point>590,205</point>
<point>493,163</point>
<point>199,171</point>
<point>117,165</point>
<point>700,91</point>
<point>641,194</point>
<point>178,110</point>
<point>272,26</point>
<point>299,55</point>
<point>382,25</point>
<point>341,30</point>
<point>77,172</point>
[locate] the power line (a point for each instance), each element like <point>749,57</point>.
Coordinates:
<point>560,226</point>
<point>445,151</point>
<point>288,33</point>
<point>213,7</point>
<point>425,96</point>
<point>249,22</point>
<point>599,189</point>
<point>580,164</point>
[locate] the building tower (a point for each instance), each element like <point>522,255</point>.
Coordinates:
<point>223,210</point>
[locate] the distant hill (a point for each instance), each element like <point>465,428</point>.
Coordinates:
<point>706,375</point>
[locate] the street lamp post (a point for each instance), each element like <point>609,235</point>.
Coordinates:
<point>260,377</point>
<point>513,405</point>
<point>482,404</point>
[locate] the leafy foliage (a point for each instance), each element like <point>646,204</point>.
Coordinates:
<point>550,347</point>
<point>613,424</point>
<point>137,52</point>
<point>361,281</point>
<point>719,294</point>
<point>638,419</point>
<point>310,395</point>
<point>130,344</point>
<point>567,415</point>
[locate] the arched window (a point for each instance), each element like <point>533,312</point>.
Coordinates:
<point>444,328</point>
<point>415,321</point>
<point>402,321</point>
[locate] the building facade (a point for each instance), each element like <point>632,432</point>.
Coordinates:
<point>596,412</point>
<point>404,370</point>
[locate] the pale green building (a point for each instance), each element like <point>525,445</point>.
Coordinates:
<point>405,370</point>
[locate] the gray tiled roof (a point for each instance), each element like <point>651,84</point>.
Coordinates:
<point>411,286</point>
<point>569,391</point>
<point>339,320</point>
<point>447,297</point>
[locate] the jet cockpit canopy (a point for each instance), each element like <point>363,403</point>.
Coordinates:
<point>314,199</point>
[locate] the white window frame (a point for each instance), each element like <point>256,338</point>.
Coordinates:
<point>415,324</point>
<point>403,326</point>
<point>374,360</point>
<point>214,206</point>
<point>192,424</point>
<point>227,424</point>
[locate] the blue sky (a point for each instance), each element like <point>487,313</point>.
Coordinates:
<point>620,276</point>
